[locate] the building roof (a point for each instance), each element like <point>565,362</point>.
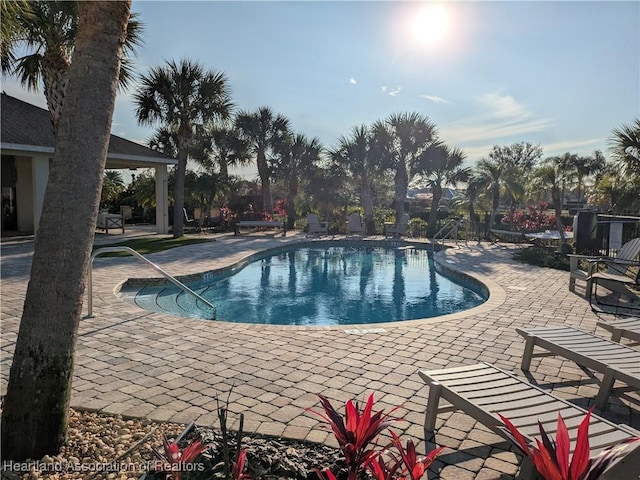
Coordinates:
<point>27,128</point>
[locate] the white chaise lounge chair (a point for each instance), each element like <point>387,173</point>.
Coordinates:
<point>614,360</point>
<point>623,328</point>
<point>483,391</point>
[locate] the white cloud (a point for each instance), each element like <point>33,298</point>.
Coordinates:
<point>395,91</point>
<point>383,88</point>
<point>500,117</point>
<point>502,106</point>
<point>353,81</point>
<point>434,98</point>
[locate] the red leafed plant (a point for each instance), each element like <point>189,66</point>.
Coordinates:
<point>356,432</point>
<point>406,465</point>
<point>172,458</point>
<point>551,458</point>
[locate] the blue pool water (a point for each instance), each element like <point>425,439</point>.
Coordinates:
<point>323,286</point>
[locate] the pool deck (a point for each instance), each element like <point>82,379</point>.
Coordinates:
<point>141,364</point>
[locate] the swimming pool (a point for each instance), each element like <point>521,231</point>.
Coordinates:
<point>321,285</point>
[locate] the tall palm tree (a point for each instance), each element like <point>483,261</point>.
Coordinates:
<point>46,31</point>
<point>490,174</point>
<point>263,130</point>
<point>580,167</point>
<point>402,139</point>
<point>183,99</point>
<point>112,186</point>
<point>296,156</point>
<point>625,146</point>
<point>549,177</point>
<point>35,413</point>
<point>469,198</point>
<point>358,157</point>
<point>222,147</point>
<point>440,166</point>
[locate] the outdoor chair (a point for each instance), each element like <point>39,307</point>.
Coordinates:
<point>622,328</point>
<point>628,252</point>
<point>483,391</point>
<point>189,222</point>
<point>354,224</point>
<point>617,276</point>
<point>316,226</point>
<point>614,360</point>
<point>398,229</point>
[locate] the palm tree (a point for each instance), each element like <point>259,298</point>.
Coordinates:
<point>263,130</point>
<point>112,187</point>
<point>550,176</point>
<point>222,146</point>
<point>357,156</point>
<point>47,32</point>
<point>441,166</point>
<point>35,413</point>
<point>580,167</point>
<point>184,99</point>
<point>296,156</point>
<point>469,198</point>
<point>625,146</point>
<point>402,139</point>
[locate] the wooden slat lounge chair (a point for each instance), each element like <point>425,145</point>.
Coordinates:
<point>623,328</point>
<point>614,360</point>
<point>483,390</point>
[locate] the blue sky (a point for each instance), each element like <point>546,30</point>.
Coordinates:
<point>559,74</point>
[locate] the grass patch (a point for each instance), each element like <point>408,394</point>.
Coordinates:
<point>147,245</point>
<point>543,257</point>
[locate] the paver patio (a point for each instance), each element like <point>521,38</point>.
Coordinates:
<point>141,364</point>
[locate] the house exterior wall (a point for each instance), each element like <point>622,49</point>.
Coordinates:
<point>24,195</point>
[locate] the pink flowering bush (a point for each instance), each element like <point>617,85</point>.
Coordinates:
<point>534,219</point>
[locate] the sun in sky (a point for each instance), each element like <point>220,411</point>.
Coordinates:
<point>430,24</point>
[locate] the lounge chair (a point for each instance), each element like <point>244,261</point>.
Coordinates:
<point>316,226</point>
<point>354,224</point>
<point>622,328</point>
<point>628,252</point>
<point>398,229</point>
<point>483,391</point>
<point>614,360</point>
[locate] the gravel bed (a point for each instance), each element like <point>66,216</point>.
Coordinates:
<point>105,447</point>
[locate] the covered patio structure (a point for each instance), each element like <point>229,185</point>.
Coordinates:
<point>27,146</point>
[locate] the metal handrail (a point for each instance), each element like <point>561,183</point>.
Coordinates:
<point>452,226</point>
<point>173,280</point>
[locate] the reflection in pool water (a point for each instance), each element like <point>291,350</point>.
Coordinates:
<point>326,286</point>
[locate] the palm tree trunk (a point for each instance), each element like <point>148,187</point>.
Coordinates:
<point>263,171</point>
<point>433,213</point>
<point>401,183</point>
<point>55,78</point>
<point>291,211</point>
<point>367,206</point>
<point>35,415</point>
<point>178,203</point>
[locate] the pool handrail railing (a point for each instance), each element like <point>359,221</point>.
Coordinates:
<point>140,257</point>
